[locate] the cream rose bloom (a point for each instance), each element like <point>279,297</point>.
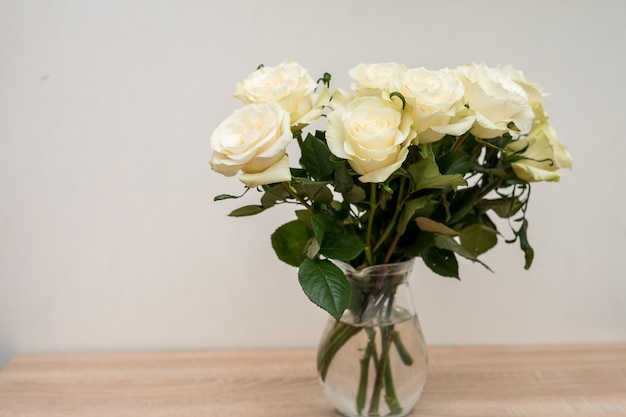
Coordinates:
<point>371,79</point>
<point>436,98</point>
<point>288,84</point>
<point>535,91</point>
<point>546,155</point>
<point>497,101</point>
<point>372,134</point>
<point>253,141</point>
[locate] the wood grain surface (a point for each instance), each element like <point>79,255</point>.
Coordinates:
<point>572,380</point>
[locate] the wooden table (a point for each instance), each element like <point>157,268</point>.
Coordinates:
<point>573,380</point>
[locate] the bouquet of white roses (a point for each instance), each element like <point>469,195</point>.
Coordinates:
<point>412,163</point>
<point>419,160</point>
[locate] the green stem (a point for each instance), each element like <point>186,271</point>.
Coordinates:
<point>383,363</point>
<point>393,223</point>
<point>298,137</point>
<point>380,377</point>
<point>339,336</point>
<point>392,247</point>
<point>405,355</point>
<point>383,371</point>
<point>391,398</point>
<point>365,366</point>
<point>459,142</point>
<point>489,188</point>
<point>370,224</point>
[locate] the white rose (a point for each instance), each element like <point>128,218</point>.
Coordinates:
<point>497,101</point>
<point>373,78</point>
<point>545,152</point>
<point>253,140</point>
<point>535,91</point>
<point>288,84</point>
<point>340,98</point>
<point>372,134</point>
<point>436,99</point>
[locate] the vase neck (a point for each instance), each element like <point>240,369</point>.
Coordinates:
<point>379,291</point>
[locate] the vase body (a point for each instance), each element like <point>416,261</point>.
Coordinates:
<point>372,362</point>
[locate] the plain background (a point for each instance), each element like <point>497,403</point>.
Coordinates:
<point>109,236</point>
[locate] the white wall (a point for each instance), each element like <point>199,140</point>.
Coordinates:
<point>110,240</point>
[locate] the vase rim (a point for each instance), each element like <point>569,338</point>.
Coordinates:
<point>397,267</point>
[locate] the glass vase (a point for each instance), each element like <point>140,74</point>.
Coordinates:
<point>372,362</point>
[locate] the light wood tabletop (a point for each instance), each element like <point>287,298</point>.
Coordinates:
<point>547,381</point>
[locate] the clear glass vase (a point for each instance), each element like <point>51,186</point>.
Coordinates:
<point>372,362</point>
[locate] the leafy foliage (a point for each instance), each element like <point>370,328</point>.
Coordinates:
<point>435,208</point>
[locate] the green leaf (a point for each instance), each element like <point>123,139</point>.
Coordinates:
<point>429,225</point>
<point>442,182</point>
<point>426,150</point>
<point>449,243</point>
<point>455,162</point>
<point>224,197</point>
<point>501,141</point>
<point>273,195</point>
<point>229,196</point>
<point>325,285</point>
<point>343,179</point>
<point>341,246</point>
<point>298,172</point>
<point>422,242</point>
<point>355,195</point>
<point>320,222</point>
<point>305,217</point>
<point>478,238</point>
<point>410,207</point>
<point>503,207</point>
<point>316,158</point>
<point>317,193</point>
<point>246,211</point>
<point>306,181</point>
<point>486,220</point>
<point>290,242</point>
<point>462,203</point>
<point>529,252</point>
<point>441,261</point>
<point>423,169</point>
<point>425,174</point>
